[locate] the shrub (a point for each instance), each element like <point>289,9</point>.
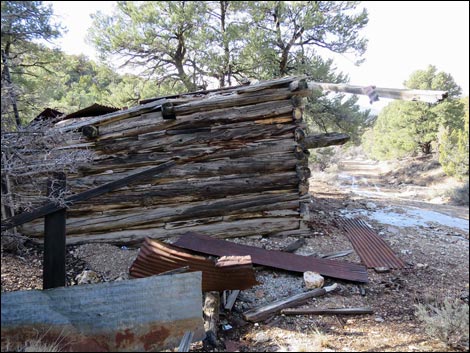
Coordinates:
<point>460,195</point>
<point>447,321</point>
<point>454,153</point>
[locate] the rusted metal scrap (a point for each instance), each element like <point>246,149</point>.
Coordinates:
<point>148,314</point>
<point>277,259</point>
<point>228,272</point>
<point>373,250</point>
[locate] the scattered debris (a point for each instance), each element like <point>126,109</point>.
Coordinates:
<point>382,269</point>
<point>333,255</point>
<point>230,300</point>
<point>148,314</point>
<point>327,311</point>
<point>228,272</point>
<point>261,313</point>
<point>277,259</point>
<point>313,280</point>
<point>295,245</point>
<point>87,277</point>
<point>372,249</point>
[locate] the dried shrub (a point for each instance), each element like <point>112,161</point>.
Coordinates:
<point>30,156</point>
<point>460,195</point>
<point>447,321</point>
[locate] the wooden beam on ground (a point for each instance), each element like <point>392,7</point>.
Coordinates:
<point>149,314</point>
<point>262,313</point>
<point>327,311</point>
<point>325,140</point>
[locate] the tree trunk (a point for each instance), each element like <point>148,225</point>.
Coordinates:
<point>6,73</point>
<point>426,147</point>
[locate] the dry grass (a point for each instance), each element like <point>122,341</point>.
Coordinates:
<point>448,321</point>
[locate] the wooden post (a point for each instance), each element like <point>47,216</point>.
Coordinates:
<point>54,239</point>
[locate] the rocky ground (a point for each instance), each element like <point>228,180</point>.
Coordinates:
<point>436,254</point>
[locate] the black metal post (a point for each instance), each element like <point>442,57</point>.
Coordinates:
<point>54,239</point>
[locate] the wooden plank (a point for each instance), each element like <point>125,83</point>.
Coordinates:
<point>148,314</point>
<point>54,239</point>
<point>277,259</point>
<point>263,312</point>
<point>327,311</point>
<point>232,297</point>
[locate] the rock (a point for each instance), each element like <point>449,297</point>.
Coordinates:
<point>313,280</point>
<point>379,319</point>
<point>261,337</point>
<point>381,269</point>
<point>88,276</point>
<point>420,266</point>
<point>371,205</point>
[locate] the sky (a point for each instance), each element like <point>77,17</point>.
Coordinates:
<point>404,36</point>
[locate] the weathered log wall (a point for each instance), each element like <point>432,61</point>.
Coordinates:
<point>252,180</point>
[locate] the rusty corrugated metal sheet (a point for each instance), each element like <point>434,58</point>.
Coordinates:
<point>93,110</point>
<point>147,314</point>
<point>373,250</point>
<point>229,272</point>
<point>277,259</point>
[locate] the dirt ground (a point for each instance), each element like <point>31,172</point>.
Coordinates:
<point>436,253</point>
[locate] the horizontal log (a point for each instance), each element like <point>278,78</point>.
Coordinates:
<point>232,115</point>
<point>72,124</point>
<point>266,163</point>
<point>148,314</point>
<point>235,136</point>
<point>82,208</point>
<point>240,228</point>
<point>245,88</point>
<point>282,82</point>
<point>234,99</point>
<point>393,93</point>
<point>212,187</point>
<point>173,213</point>
<point>177,215</point>
<point>324,140</point>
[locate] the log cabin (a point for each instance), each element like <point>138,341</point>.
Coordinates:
<point>227,162</point>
